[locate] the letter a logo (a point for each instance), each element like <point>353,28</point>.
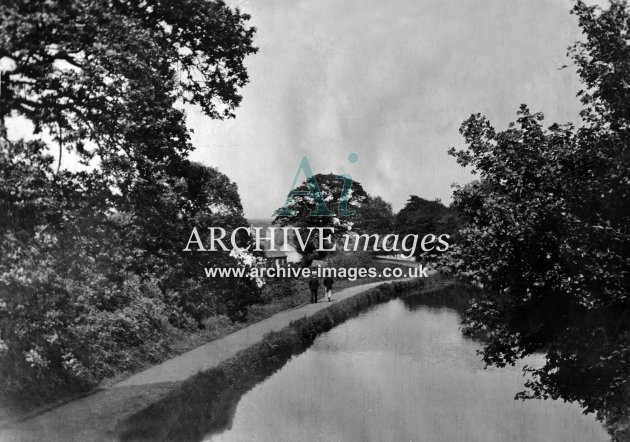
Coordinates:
<point>313,190</point>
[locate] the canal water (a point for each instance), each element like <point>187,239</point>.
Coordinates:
<point>401,372</point>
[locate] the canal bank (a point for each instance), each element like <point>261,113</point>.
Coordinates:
<point>99,416</point>
<point>401,370</point>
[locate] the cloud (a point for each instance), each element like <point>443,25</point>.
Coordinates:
<point>391,81</point>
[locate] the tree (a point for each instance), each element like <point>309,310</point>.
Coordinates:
<point>546,233</point>
<point>375,215</point>
<point>423,217</point>
<point>204,197</point>
<point>419,216</point>
<point>69,312</point>
<point>91,263</point>
<point>331,189</point>
<point>102,76</point>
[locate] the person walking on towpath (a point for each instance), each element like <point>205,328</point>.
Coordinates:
<point>313,284</point>
<point>328,285</point>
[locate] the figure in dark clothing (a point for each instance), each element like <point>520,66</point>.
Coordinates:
<point>328,285</point>
<point>313,284</point>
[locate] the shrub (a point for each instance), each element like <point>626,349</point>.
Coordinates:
<point>348,260</point>
<point>279,289</point>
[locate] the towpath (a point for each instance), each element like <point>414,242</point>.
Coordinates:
<point>95,417</point>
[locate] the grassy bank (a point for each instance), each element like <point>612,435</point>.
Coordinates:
<point>206,402</point>
<point>279,295</point>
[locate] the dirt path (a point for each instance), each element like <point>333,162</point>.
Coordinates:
<point>95,417</point>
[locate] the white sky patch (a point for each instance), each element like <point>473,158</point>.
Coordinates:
<point>7,64</point>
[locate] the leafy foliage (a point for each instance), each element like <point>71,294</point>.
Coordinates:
<point>547,236</point>
<point>422,217</point>
<point>92,271</point>
<point>350,260</point>
<point>375,215</point>
<point>331,192</point>
<point>85,291</point>
<point>102,76</point>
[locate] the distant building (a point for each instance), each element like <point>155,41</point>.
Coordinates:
<point>276,259</point>
<point>318,263</point>
<point>281,256</point>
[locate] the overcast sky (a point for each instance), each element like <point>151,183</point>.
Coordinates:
<point>389,80</point>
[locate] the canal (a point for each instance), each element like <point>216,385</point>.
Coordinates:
<point>401,371</point>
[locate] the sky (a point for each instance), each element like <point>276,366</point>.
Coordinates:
<point>391,81</point>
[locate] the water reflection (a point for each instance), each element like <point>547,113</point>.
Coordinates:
<point>400,372</point>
